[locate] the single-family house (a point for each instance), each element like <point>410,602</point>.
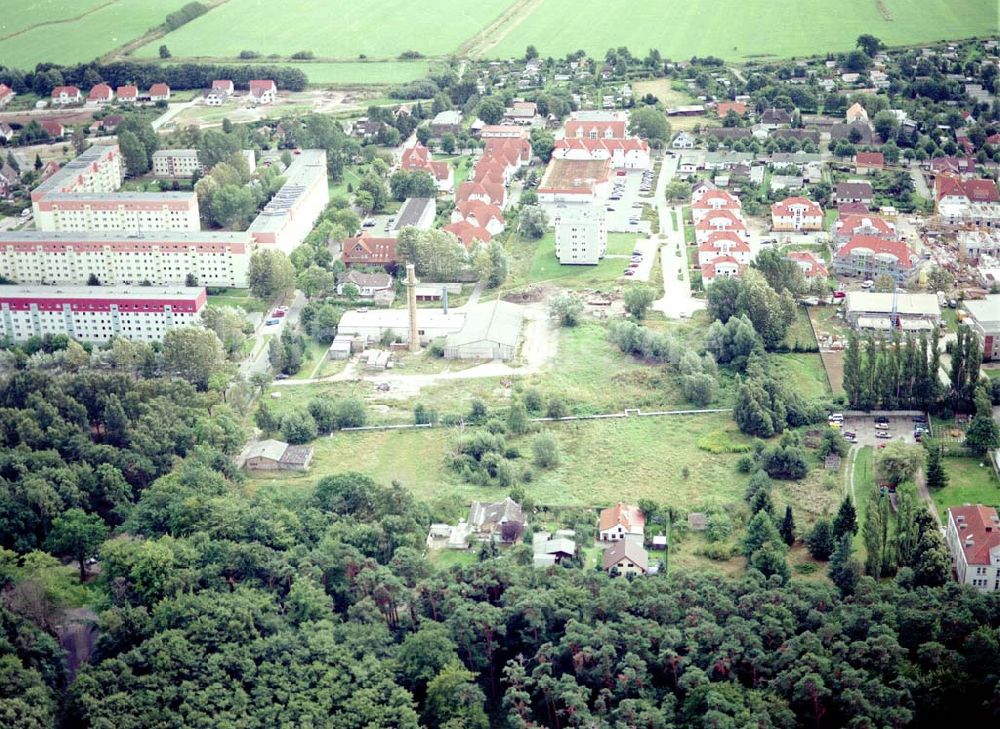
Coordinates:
<point>973,537</point>
<point>502,521</point>
<point>159,92</point>
<point>6,95</point>
<point>100,94</point>
<point>683,140</point>
<point>6,132</point>
<point>855,133</point>
<point>626,559</point>
<point>418,159</point>
<point>53,128</point>
<point>127,94</point>
<point>796,213</point>
<point>551,550</point>
<point>8,179</point>
<point>856,113</point>
<point>365,250</point>
<point>621,522</point>
<point>854,192</point>
<point>263,91</point>
<point>521,112</point>
<point>224,86</point>
<point>276,455</point>
<point>775,118</point>
<point>867,162</point>
<point>220,93</point>
<point>446,122</point>
<point>368,284</point>
<point>480,215</point>
<point>953,166</point>
<point>62,95</point>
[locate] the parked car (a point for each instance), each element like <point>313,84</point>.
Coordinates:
<point>271,322</point>
<point>277,313</point>
<point>867,284</point>
<point>840,294</point>
<point>836,417</point>
<point>629,272</point>
<point>281,376</point>
<point>621,173</point>
<point>369,223</point>
<point>883,434</point>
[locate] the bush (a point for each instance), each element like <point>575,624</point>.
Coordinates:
<point>437,348</point>
<point>351,413</point>
<point>720,442</point>
<point>717,552</point>
<point>745,464</point>
<point>533,400</point>
<point>785,462</point>
<point>557,408</point>
<point>298,427</point>
<point>423,415</point>
<point>324,413</point>
<point>546,451</point>
<point>719,526</point>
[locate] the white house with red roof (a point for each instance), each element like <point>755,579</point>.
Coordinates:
<point>620,522</point>
<point>951,189</point>
<point>849,226</point>
<point>159,92</point>
<point>596,129</point>
<point>812,267</point>
<point>867,257</point>
<point>225,86</point>
<point>53,128</point>
<point>724,244</point>
<point>101,94</point>
<point>418,159</point>
<point>468,233</point>
<point>489,169</point>
<point>720,267</point>
<point>973,537</point>
<point>6,95</point>
<point>263,91</point>
<point>127,94</point>
<point>868,162</point>
<point>796,213</point>
<point>480,215</point>
<point>711,199</point>
<point>628,154</point>
<point>487,191</point>
<point>720,221</point>
<point>62,95</point>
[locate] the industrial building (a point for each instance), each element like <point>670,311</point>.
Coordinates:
<point>887,312</point>
<point>417,212</point>
<point>984,320</point>
<point>291,214</point>
<point>97,313</point>
<point>490,331</point>
<point>581,234</point>
<point>372,325</point>
<point>161,258</point>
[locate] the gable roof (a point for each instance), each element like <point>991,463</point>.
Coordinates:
<point>468,233</point>
<point>483,212</point>
<point>851,223</point>
<point>68,90</point>
<point>160,89</point>
<point>627,515</point>
<point>488,515</point>
<point>709,270</point>
<point>733,221</point>
<point>811,266</point>
<point>843,131</point>
<point>222,84</point>
<point>367,280</point>
<point>364,249</point>
<point>776,116</point>
<point>870,159</point>
<point>259,86</point>
<point>852,208</point>
<point>784,207</point>
<point>953,164</point>
<point>492,190</point>
<point>975,190</point>
<point>100,91</point>
<point>128,92</point>
<point>578,127</point>
<point>724,107</point>
<point>879,247</point>
<point>626,549</point>
<point>982,525</point>
<point>852,190</point>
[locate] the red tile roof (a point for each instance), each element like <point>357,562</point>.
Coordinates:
<point>369,250</point>
<point>53,128</point>
<point>976,190</point>
<point>468,233</point>
<point>575,127</point>
<point>784,208</point>
<point>724,107</point>
<point>628,516</point>
<point>733,221</point>
<point>68,90</point>
<point>481,211</point>
<point>5,91</point>
<point>494,191</point>
<point>720,236</point>
<point>223,84</point>
<point>610,145</point>
<point>708,271</point>
<point>813,267</point>
<point>160,89</point>
<point>99,92</point>
<point>127,92</point>
<point>725,200</point>
<point>259,86</point>
<point>850,223</point>
<point>897,249</point>
<point>954,165</point>
<point>982,525</point>
<point>852,208</point>
<point>873,160</point>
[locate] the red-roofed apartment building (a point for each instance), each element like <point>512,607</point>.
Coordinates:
<point>6,95</point>
<point>973,537</point>
<point>100,94</point>
<point>159,92</point>
<point>953,166</point>
<point>468,233</point>
<point>418,159</point>
<point>364,250</point>
<point>720,221</point>
<point>949,189</point>
<point>488,191</point>
<point>711,200</point>
<point>724,244</point>
<point>66,95</point>
<point>867,162</point>
<point>721,267</point>
<point>812,267</point>
<point>479,214</point>
<point>585,129</point>
<point>263,91</point>
<point>629,154</point>
<point>867,257</point>
<point>796,213</point>
<point>849,226</point>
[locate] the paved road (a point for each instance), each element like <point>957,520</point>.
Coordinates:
<point>257,361</point>
<point>172,111</point>
<point>677,301</point>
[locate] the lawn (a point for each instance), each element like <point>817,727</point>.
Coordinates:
<point>864,484</point>
<point>752,29</point>
<point>602,462</point>
<point>312,360</point>
<point>800,332</point>
<point>238,297</point>
<point>621,243</point>
<point>535,262</point>
<point>971,481</point>
<point>803,373</point>
<point>377,28</point>
<point>66,32</point>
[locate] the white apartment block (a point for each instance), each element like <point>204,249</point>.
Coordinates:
<point>176,163</point>
<point>292,213</point>
<point>97,313</point>
<point>973,536</point>
<point>984,320</point>
<point>160,258</point>
<point>118,211</point>
<point>581,235</point>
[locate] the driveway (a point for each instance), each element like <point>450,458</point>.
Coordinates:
<point>258,361</point>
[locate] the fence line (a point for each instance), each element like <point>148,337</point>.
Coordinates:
<point>629,412</point>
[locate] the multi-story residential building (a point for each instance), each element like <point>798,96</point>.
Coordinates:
<point>176,163</point>
<point>724,244</point>
<point>291,214</point>
<point>867,257</point>
<point>973,536</point>
<point>97,169</point>
<point>849,226</point>
<point>984,320</point>
<point>796,213</point>
<point>418,159</point>
<point>581,234</point>
<point>812,267</point>
<point>160,258</point>
<point>720,221</point>
<point>97,313</point>
<point>630,154</point>
<point>118,211</point>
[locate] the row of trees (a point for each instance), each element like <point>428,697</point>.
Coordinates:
<point>896,373</point>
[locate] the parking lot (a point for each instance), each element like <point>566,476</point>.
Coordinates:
<point>866,430</point>
<point>623,215</point>
<point>647,248</point>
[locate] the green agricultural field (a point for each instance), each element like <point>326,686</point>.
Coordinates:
<point>781,28</point>
<point>61,31</point>
<point>971,481</point>
<point>377,28</point>
<point>602,462</point>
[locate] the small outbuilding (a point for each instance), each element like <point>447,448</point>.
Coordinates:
<point>276,455</point>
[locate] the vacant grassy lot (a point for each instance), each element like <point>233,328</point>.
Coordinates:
<point>803,373</point>
<point>800,332</point>
<point>238,297</point>
<point>377,28</point>
<point>681,29</point>
<point>971,481</point>
<point>535,262</point>
<point>602,462</point>
<point>60,31</point>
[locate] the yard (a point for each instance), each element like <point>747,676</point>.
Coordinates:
<point>971,481</point>
<point>238,297</point>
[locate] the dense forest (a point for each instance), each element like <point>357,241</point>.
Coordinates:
<point>316,607</point>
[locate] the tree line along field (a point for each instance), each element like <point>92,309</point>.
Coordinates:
<point>376,28</point>
<point>73,31</point>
